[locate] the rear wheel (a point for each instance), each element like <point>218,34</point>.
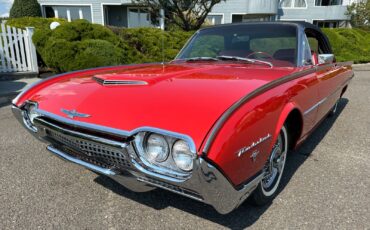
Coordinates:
<point>333,111</point>
<point>267,189</point>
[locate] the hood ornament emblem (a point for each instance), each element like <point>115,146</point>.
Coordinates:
<point>73,113</point>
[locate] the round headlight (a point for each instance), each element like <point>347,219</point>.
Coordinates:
<point>182,155</point>
<point>156,148</point>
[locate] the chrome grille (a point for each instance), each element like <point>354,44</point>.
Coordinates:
<point>96,153</point>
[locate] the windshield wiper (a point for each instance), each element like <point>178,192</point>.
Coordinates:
<point>245,59</point>
<point>200,59</point>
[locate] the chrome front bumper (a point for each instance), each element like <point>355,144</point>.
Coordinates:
<point>206,183</point>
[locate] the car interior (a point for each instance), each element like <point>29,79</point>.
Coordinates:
<point>267,43</point>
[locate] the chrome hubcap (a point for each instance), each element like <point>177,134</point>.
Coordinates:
<point>275,165</point>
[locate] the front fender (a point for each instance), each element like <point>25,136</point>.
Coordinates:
<point>249,131</point>
<point>288,108</point>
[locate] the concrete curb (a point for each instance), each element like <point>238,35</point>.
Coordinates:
<point>361,67</point>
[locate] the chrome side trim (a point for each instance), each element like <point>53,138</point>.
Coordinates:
<point>326,98</point>
<point>56,152</point>
<point>314,107</point>
<point>225,116</point>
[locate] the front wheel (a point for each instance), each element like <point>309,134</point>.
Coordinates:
<point>267,189</point>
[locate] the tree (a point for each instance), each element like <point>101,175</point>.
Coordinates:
<point>187,14</point>
<point>25,8</point>
<point>359,13</point>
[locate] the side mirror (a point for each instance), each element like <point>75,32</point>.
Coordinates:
<point>326,58</point>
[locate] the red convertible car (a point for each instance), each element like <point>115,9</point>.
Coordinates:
<point>215,124</point>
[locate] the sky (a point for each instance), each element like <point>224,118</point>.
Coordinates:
<point>5,7</point>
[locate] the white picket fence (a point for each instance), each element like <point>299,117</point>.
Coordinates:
<point>17,51</point>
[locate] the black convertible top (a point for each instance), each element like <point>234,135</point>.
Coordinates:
<point>309,28</point>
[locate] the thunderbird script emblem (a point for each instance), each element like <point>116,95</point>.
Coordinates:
<point>73,113</point>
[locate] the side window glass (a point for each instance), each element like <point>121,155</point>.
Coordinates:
<point>307,56</point>
<point>314,44</point>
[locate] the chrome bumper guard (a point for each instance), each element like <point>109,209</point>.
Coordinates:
<point>206,183</point>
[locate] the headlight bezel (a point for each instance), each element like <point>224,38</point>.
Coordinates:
<point>169,166</point>
<point>27,119</point>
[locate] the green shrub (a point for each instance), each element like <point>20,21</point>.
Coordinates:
<point>93,53</point>
<point>25,8</point>
<point>36,22</point>
<point>82,29</point>
<point>350,44</point>
<point>154,44</point>
<point>59,54</point>
<point>80,45</point>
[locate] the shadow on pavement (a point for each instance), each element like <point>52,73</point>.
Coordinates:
<point>246,214</point>
<point>9,90</point>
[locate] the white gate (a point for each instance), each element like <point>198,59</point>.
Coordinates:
<point>17,52</point>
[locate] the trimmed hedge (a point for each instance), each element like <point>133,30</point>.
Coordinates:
<point>155,45</point>
<point>350,44</point>
<point>36,22</point>
<point>25,8</point>
<point>80,45</point>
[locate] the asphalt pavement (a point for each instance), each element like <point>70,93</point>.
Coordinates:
<point>325,186</point>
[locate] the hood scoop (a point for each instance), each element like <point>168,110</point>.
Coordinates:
<point>117,82</point>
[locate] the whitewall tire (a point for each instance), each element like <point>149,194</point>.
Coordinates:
<point>268,187</point>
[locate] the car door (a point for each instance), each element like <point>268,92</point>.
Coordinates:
<point>310,95</point>
<point>330,76</point>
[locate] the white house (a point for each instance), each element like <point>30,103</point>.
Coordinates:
<point>324,13</point>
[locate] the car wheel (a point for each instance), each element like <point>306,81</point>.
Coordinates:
<point>334,110</point>
<point>267,188</point>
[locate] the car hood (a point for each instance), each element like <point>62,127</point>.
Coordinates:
<point>183,98</point>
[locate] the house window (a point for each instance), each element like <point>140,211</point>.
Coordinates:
<point>214,19</point>
<point>293,4</point>
<point>326,24</point>
<point>328,2</point>
<point>69,13</point>
<point>138,17</point>
<point>236,18</point>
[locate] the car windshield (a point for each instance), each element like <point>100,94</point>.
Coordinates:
<point>262,44</point>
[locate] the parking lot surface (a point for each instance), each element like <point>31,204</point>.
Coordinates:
<point>325,186</point>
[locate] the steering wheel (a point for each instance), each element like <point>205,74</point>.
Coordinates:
<point>263,53</point>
